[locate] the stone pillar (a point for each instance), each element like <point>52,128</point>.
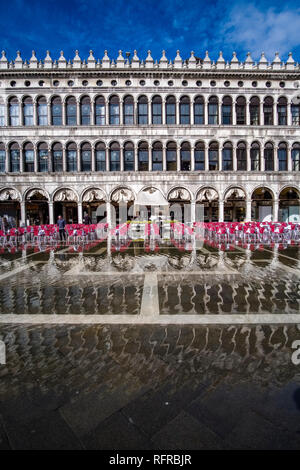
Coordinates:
<point>192,112</point>
<point>206,159</point>
<point>149,113</point>
<point>220,156</point>
<point>107,159</point>
<point>35,116</point>
<point>78,117</point>
<point>92,112</point>
<point>178,156</point>
<point>289,113</point>
<point>51,212</point>
<point>108,214</point>
<point>79,209</point>
<point>205,111</point>
<point>78,153</point>
<point>220,112</point>
<point>93,156</point>
<point>7,159</point>
<point>64,153</point>
<point>262,159</point>
<point>23,212</point>
<point>136,166</point>
<point>275,113</point>
<point>150,157</point>
<point>164,155</point>
<point>247,112</point>
<point>192,158</point>
<point>248,157</point>
<point>234,158</point>
<point>276,159</point>
<point>193,212</point>
<point>221,210</point>
<point>63,113</point>
<point>289,158</point>
<point>21,116</point>
<point>261,113</point>
<point>275,210</point>
<point>248,210</point>
<point>163,110</point>
<point>49,114</point>
<point>121,113</point>
<point>21,159</point>
<point>121,158</point>
<point>233,114</point>
<point>35,152</point>
<point>106,113</point>
<point>177,113</point>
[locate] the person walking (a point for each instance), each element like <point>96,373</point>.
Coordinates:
<point>61,228</point>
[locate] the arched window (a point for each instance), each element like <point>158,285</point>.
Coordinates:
<point>142,110</point>
<point>156,110</point>
<point>171,110</point>
<point>227,110</point>
<point>28,158</point>
<point>199,154</point>
<point>184,110</point>
<point>85,111</point>
<point>114,157</point>
<point>57,157</point>
<point>255,156</point>
<point>71,157</point>
<point>295,109</point>
<point>2,157</point>
<point>28,111</point>
<point>157,157</point>
<point>14,157</point>
<point>143,156</point>
<point>268,111</point>
<point>185,156</point>
<point>128,110</point>
<point>14,119</point>
<point>213,156</point>
<point>282,156</point>
<point>114,110</point>
<point>42,113</point>
<point>100,111</point>
<point>199,110</point>
<point>213,110</point>
<point>269,157</point>
<point>227,157</point>
<point>2,112</point>
<point>171,156</point>
<point>241,156</point>
<point>254,111</point>
<point>128,156</point>
<point>42,157</point>
<point>56,111</point>
<point>296,157</point>
<point>100,155</point>
<point>86,157</point>
<point>282,111</point>
<point>71,111</point>
<point>241,111</point>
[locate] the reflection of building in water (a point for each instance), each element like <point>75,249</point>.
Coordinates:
<point>127,135</point>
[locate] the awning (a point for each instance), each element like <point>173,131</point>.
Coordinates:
<point>151,197</point>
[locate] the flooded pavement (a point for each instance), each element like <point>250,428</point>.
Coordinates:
<point>150,385</point>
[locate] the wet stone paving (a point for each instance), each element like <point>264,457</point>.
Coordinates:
<point>133,348</point>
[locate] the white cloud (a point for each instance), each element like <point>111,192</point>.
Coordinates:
<point>259,31</point>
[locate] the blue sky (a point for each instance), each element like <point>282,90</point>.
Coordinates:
<point>186,25</point>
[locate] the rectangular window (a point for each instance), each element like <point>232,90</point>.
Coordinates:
<point>212,114</point>
<point>56,115</point>
<point>143,113</point>
<point>15,161</point>
<point>42,115</point>
<point>14,114</point>
<point>198,114</point>
<point>282,116</point>
<point>156,113</point>
<point>28,114</point>
<point>128,160</point>
<point>295,115</point>
<point>213,160</point>
<point>184,113</point>
<point>100,114</point>
<point>226,114</point>
<point>71,160</point>
<point>114,114</point>
<point>57,161</point>
<point>85,114</point>
<point>171,160</point>
<point>115,160</point>
<point>71,115</point>
<point>282,163</point>
<point>2,161</point>
<point>227,160</point>
<point>43,161</point>
<point>128,114</point>
<point>157,160</point>
<point>199,160</point>
<point>254,115</point>
<point>268,115</point>
<point>86,160</point>
<point>100,160</point>
<point>296,159</point>
<point>143,160</point>
<point>29,160</point>
<point>241,160</point>
<point>171,113</point>
<point>2,115</point>
<point>240,115</point>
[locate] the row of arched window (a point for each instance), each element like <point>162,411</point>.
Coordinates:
<point>173,157</point>
<point>143,112</point>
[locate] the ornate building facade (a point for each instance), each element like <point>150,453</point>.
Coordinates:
<point>83,136</point>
